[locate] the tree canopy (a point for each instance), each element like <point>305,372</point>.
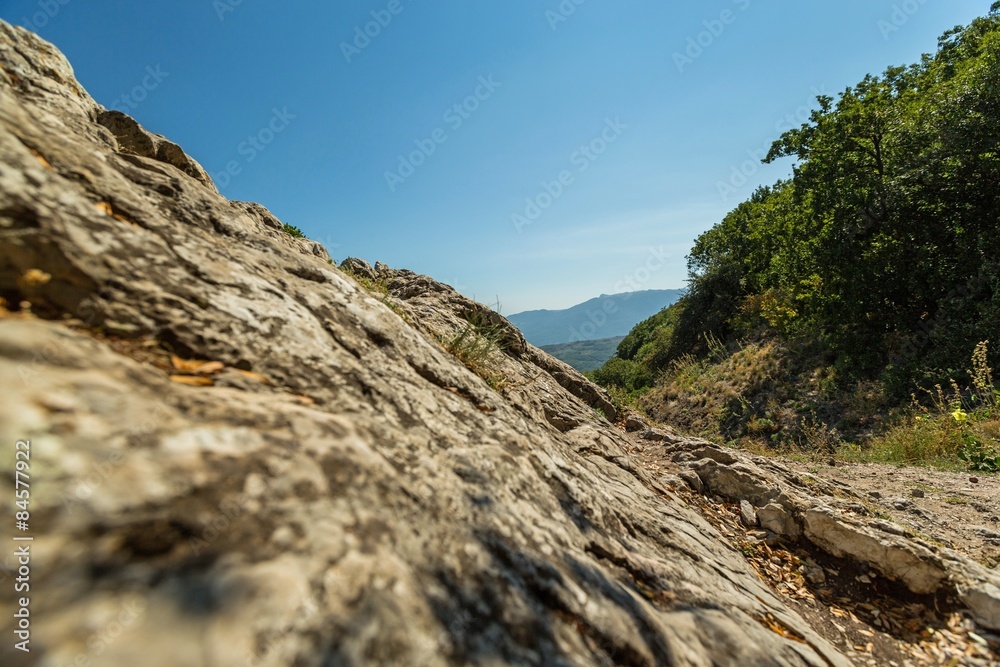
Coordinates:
<point>884,245</point>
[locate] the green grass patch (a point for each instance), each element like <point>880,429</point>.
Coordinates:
<point>475,345</point>
<point>952,429</point>
<point>294,231</point>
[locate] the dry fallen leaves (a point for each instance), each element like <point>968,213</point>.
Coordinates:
<point>33,279</point>
<point>195,366</point>
<point>769,621</point>
<point>194,372</point>
<point>40,158</point>
<point>256,377</point>
<point>192,380</point>
<point>107,209</point>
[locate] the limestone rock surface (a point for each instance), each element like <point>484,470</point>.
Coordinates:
<point>240,455</point>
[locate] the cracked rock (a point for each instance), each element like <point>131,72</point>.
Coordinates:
<point>345,490</point>
<point>748,514</point>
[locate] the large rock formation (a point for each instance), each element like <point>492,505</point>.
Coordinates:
<point>242,455</point>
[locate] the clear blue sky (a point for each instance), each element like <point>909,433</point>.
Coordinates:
<point>672,131</point>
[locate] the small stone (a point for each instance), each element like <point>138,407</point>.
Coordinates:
<point>814,575</point>
<point>917,493</point>
<point>634,423</point>
<point>974,480</point>
<point>672,481</point>
<point>283,537</point>
<point>120,328</point>
<point>864,579</point>
<point>692,479</point>
<point>358,267</point>
<point>60,402</point>
<point>748,514</point>
<point>776,519</point>
<point>655,434</point>
<point>875,494</point>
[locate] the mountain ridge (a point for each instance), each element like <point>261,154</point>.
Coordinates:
<point>605,316</point>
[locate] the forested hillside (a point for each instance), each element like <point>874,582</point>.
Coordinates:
<point>585,355</point>
<point>872,272</point>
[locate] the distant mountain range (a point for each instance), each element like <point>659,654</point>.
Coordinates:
<point>606,316</point>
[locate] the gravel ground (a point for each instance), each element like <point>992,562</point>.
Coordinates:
<point>956,509</point>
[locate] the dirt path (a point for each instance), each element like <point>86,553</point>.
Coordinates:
<point>956,509</point>
<point>875,622</point>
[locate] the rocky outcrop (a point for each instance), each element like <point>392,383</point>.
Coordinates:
<point>834,519</point>
<point>242,456</point>
<point>132,139</point>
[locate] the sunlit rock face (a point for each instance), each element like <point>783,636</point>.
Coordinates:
<point>241,455</point>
